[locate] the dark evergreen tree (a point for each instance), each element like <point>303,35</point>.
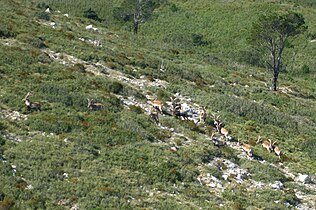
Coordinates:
<point>271,34</point>
<point>137,11</point>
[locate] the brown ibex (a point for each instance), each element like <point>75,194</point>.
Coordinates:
<point>202,114</point>
<point>157,104</point>
<point>246,148</point>
<point>155,116</point>
<point>218,125</point>
<point>224,132</point>
<point>93,106</point>
<point>267,144</point>
<point>31,105</point>
<point>277,150</point>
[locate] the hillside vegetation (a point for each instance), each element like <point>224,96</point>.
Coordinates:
<point>67,156</point>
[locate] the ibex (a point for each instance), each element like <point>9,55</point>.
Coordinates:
<point>175,102</point>
<point>157,104</point>
<point>246,148</point>
<point>218,141</point>
<point>163,67</point>
<point>31,105</point>
<point>218,125</point>
<point>277,150</point>
<point>224,131</point>
<point>266,144</point>
<point>202,115</point>
<point>217,122</point>
<point>93,106</point>
<point>154,115</point>
<point>179,112</point>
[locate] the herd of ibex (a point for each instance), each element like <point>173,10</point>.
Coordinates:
<point>178,110</point>
<point>267,144</point>
<point>271,147</point>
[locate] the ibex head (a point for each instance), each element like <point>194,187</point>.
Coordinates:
<point>216,118</point>
<point>27,96</point>
<point>92,105</point>
<point>89,102</point>
<point>163,66</point>
<point>259,140</point>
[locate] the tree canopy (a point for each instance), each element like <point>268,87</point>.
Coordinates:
<point>137,11</point>
<point>271,33</point>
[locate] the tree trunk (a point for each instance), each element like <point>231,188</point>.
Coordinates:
<point>274,81</point>
<point>136,25</point>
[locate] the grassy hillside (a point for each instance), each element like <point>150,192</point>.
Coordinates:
<point>67,156</point>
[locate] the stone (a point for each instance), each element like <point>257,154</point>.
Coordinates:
<point>277,185</point>
<point>304,178</point>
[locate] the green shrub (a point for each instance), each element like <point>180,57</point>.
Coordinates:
<point>263,173</point>
<point>163,95</point>
<point>305,69</point>
<point>169,172</point>
<point>136,109</point>
<point>42,15</point>
<point>2,126</point>
<point>258,112</point>
<point>308,147</point>
<point>250,56</point>
<point>42,5</point>
<point>115,87</point>
<point>30,39</point>
<point>198,40</point>
<point>2,141</point>
<point>173,8</point>
<point>44,58</point>
<point>57,123</point>
<point>6,31</point>
<point>91,14</point>
<point>78,67</point>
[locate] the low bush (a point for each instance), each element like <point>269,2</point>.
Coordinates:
<point>308,146</point>
<point>136,109</point>
<point>44,58</point>
<point>42,15</point>
<point>306,69</point>
<point>91,14</point>
<point>6,31</point>
<point>198,40</point>
<point>32,40</point>
<point>257,112</point>
<point>57,123</point>
<point>42,5</point>
<point>263,173</point>
<point>115,87</point>
<point>78,67</point>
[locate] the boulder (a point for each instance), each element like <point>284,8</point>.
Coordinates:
<point>304,178</point>
<point>89,27</point>
<point>277,185</point>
